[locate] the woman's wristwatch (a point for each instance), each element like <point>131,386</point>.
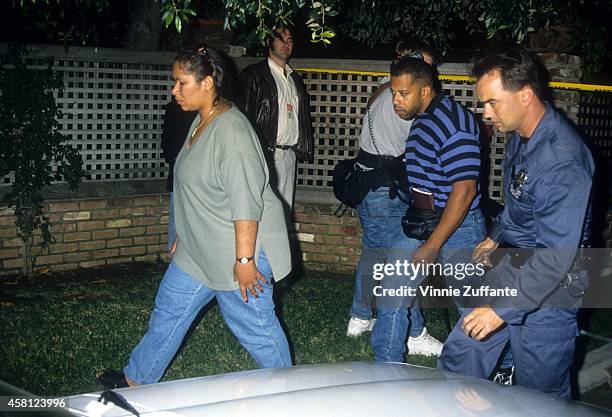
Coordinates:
<point>244,260</point>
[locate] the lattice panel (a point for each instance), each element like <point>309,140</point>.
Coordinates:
<point>595,119</point>
<point>497,148</point>
<point>113,113</point>
<point>115,117</point>
<point>338,104</point>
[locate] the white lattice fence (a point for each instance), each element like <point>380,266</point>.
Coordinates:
<point>595,119</point>
<point>338,104</point>
<point>114,117</point>
<point>113,109</point>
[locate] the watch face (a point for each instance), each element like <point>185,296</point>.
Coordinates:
<point>244,260</point>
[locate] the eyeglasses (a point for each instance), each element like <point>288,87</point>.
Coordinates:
<point>414,55</point>
<point>417,55</point>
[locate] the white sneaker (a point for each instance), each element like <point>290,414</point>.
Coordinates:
<point>425,344</point>
<point>357,326</point>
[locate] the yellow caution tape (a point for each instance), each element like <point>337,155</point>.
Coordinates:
<point>466,78</point>
<point>581,87</point>
<point>331,71</point>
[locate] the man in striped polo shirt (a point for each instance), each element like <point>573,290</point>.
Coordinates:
<point>443,166</point>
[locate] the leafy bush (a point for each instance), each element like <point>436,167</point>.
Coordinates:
<point>31,147</point>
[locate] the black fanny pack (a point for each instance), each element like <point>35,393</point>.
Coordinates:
<point>420,224</point>
<point>351,184</point>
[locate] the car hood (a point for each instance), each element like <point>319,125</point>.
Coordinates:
<point>347,389</point>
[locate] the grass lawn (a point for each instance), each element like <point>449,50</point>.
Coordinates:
<point>57,331</point>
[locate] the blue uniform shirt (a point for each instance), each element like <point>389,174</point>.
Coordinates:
<point>547,188</point>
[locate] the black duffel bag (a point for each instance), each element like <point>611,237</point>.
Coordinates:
<point>350,183</point>
<point>420,224</point>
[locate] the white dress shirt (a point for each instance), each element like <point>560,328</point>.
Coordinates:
<point>288,127</point>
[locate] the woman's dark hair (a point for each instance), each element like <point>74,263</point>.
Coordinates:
<point>202,61</point>
<point>517,69</point>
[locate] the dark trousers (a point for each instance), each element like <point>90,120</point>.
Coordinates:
<point>543,349</point>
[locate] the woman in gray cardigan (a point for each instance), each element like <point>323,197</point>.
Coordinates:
<point>231,232</point>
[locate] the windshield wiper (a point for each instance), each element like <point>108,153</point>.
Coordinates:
<point>117,399</point>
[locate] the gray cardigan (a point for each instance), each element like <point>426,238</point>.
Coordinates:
<point>223,178</point>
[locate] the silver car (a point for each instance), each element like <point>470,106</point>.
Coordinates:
<point>345,389</point>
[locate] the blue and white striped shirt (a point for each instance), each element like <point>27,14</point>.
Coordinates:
<point>442,148</point>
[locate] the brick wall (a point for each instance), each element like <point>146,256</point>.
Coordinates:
<point>327,242</point>
<point>93,232</point>
<point>103,231</point>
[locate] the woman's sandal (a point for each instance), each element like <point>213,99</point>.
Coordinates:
<point>111,379</point>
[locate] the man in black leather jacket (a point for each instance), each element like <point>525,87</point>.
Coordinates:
<point>277,103</point>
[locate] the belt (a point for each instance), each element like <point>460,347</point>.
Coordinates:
<point>285,147</point>
<point>371,160</point>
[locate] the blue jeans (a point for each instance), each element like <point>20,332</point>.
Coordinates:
<point>542,348</point>
<point>380,219</point>
<point>171,225</point>
<point>179,299</point>
<point>389,333</point>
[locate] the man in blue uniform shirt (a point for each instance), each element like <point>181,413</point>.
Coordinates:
<point>547,182</point>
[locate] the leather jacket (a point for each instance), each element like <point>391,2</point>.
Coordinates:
<point>261,106</point>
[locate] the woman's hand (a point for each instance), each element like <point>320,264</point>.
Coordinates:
<point>248,278</point>
<point>246,274</point>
